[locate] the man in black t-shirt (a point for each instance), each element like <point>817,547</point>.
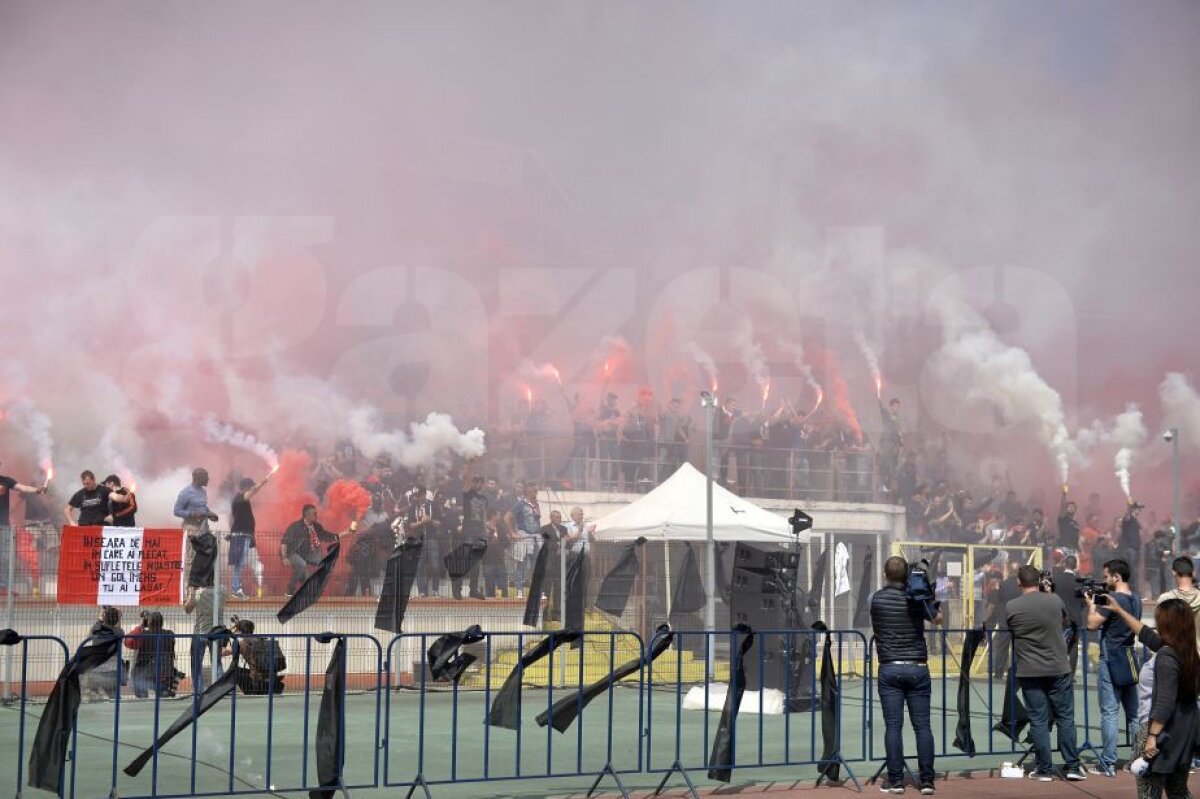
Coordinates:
<point>1068,525</point>
<point>473,531</point>
<point>7,486</point>
<point>92,502</point>
<point>241,530</point>
<point>122,515</point>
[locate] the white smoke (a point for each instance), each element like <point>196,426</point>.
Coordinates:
<point>110,453</point>
<point>751,353</point>
<point>988,370</point>
<point>218,432</point>
<point>1181,407</point>
<point>806,371</point>
<point>870,355</point>
<point>1128,434</point>
<point>37,425</point>
<point>425,441</point>
<point>546,371</point>
<point>156,497</point>
<point>705,362</point>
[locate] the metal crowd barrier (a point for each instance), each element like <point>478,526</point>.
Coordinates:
<point>423,732</point>
<point>473,751</point>
<point>287,765</point>
<point>759,740</point>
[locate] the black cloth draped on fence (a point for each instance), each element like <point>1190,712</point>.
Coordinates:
<point>331,723</point>
<point>831,715</point>
<point>398,577</point>
<point>689,595</point>
<point>1013,716</point>
<point>862,606</point>
<point>567,709</point>
<point>313,586</point>
<point>618,583</point>
<point>963,740</point>
<point>816,591</point>
<point>506,707</point>
<point>49,750</point>
<point>721,757</point>
<point>221,688</point>
<point>464,558</point>
<point>547,552</point>
<point>445,660</point>
<point>576,590</point>
<point>204,560</point>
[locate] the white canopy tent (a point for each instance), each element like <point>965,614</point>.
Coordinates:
<point>674,511</point>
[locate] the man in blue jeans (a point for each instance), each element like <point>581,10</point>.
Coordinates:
<point>899,627</point>
<point>1036,620</point>
<point>1116,639</point>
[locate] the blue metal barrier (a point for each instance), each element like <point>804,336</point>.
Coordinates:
<point>787,740</point>
<point>490,747</point>
<point>22,700</point>
<point>244,710</point>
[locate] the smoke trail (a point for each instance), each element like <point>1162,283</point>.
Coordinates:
<point>706,363</point>
<point>37,425</point>
<point>838,393</point>
<point>546,371</point>
<point>988,370</point>
<point>872,358</point>
<point>752,357</point>
<point>806,371</point>
<point>1128,434</point>
<point>1181,407</point>
<point>110,454</point>
<point>424,442</point>
<point>217,432</point>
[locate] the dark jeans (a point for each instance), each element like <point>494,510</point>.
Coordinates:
<point>1041,695</point>
<point>239,545</point>
<point>899,684</point>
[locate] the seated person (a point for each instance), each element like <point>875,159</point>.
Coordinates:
<point>262,661</point>
<point>154,664</point>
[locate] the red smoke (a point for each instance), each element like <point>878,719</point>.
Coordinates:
<point>281,500</point>
<point>835,388</point>
<point>345,501</point>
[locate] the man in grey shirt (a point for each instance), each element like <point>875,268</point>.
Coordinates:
<point>1036,620</point>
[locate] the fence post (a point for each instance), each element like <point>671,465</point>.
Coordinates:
<point>9,611</point>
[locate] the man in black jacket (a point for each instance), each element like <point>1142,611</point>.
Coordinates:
<point>899,627</point>
<point>1065,586</point>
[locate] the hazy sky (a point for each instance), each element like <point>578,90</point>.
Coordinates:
<point>200,202</point>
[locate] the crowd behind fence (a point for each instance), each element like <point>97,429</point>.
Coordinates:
<point>404,723</point>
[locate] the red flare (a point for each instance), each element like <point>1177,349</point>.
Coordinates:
<point>820,399</point>
<point>345,501</point>
<point>879,386</point>
<point>607,369</point>
<point>766,393</point>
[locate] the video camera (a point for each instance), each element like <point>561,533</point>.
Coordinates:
<point>919,588</point>
<point>1092,588</point>
<point>1046,583</point>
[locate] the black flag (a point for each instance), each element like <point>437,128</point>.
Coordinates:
<point>537,583</point>
<point>721,758</point>
<point>689,595</point>
<point>204,560</point>
<point>331,722</point>
<point>506,707</point>
<point>576,589</point>
<point>9,637</point>
<point>464,558</point>
<point>398,577</point>
<point>963,741</point>
<point>49,750</point>
<point>312,588</point>
<point>831,714</point>
<point>1013,716</point>
<point>618,583</point>
<point>213,694</point>
<point>445,661</point>
<point>722,584</point>
<point>567,709</point>
<point>862,609</point>
<point>817,589</point>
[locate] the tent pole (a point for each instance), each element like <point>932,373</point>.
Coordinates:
<point>667,572</point>
<point>709,400</point>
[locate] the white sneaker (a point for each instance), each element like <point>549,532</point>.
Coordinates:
<point>1040,776</point>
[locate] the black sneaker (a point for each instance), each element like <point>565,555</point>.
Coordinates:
<point>1076,775</point>
<point>927,789</point>
<point>891,787</point>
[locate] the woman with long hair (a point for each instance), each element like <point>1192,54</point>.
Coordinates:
<point>154,665</point>
<point>1172,732</point>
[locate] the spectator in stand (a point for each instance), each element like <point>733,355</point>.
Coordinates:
<point>303,545</point>
<point>675,432</point>
<point>92,502</point>
<point>637,442</point>
<point>120,514</point>
<point>606,427</point>
<point>525,521</point>
<point>102,682</point>
<point>890,442</point>
<point>242,528</point>
<point>1088,537</point>
<point>153,668</point>
<point>473,529</point>
<point>1102,553</point>
<point>1011,507</point>
<point>423,523</point>
<point>1093,506</point>
<point>8,485</point>
<point>495,574</point>
<point>1068,525</point>
<point>906,477</point>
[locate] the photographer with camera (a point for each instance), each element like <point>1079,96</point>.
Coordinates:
<point>1118,671</point>
<point>1064,579</point>
<point>262,661</point>
<point>899,611</point>
<point>1036,620</point>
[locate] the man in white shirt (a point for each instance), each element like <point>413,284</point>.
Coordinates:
<point>579,536</point>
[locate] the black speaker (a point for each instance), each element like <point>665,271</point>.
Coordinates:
<point>758,600</point>
<point>765,558</point>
